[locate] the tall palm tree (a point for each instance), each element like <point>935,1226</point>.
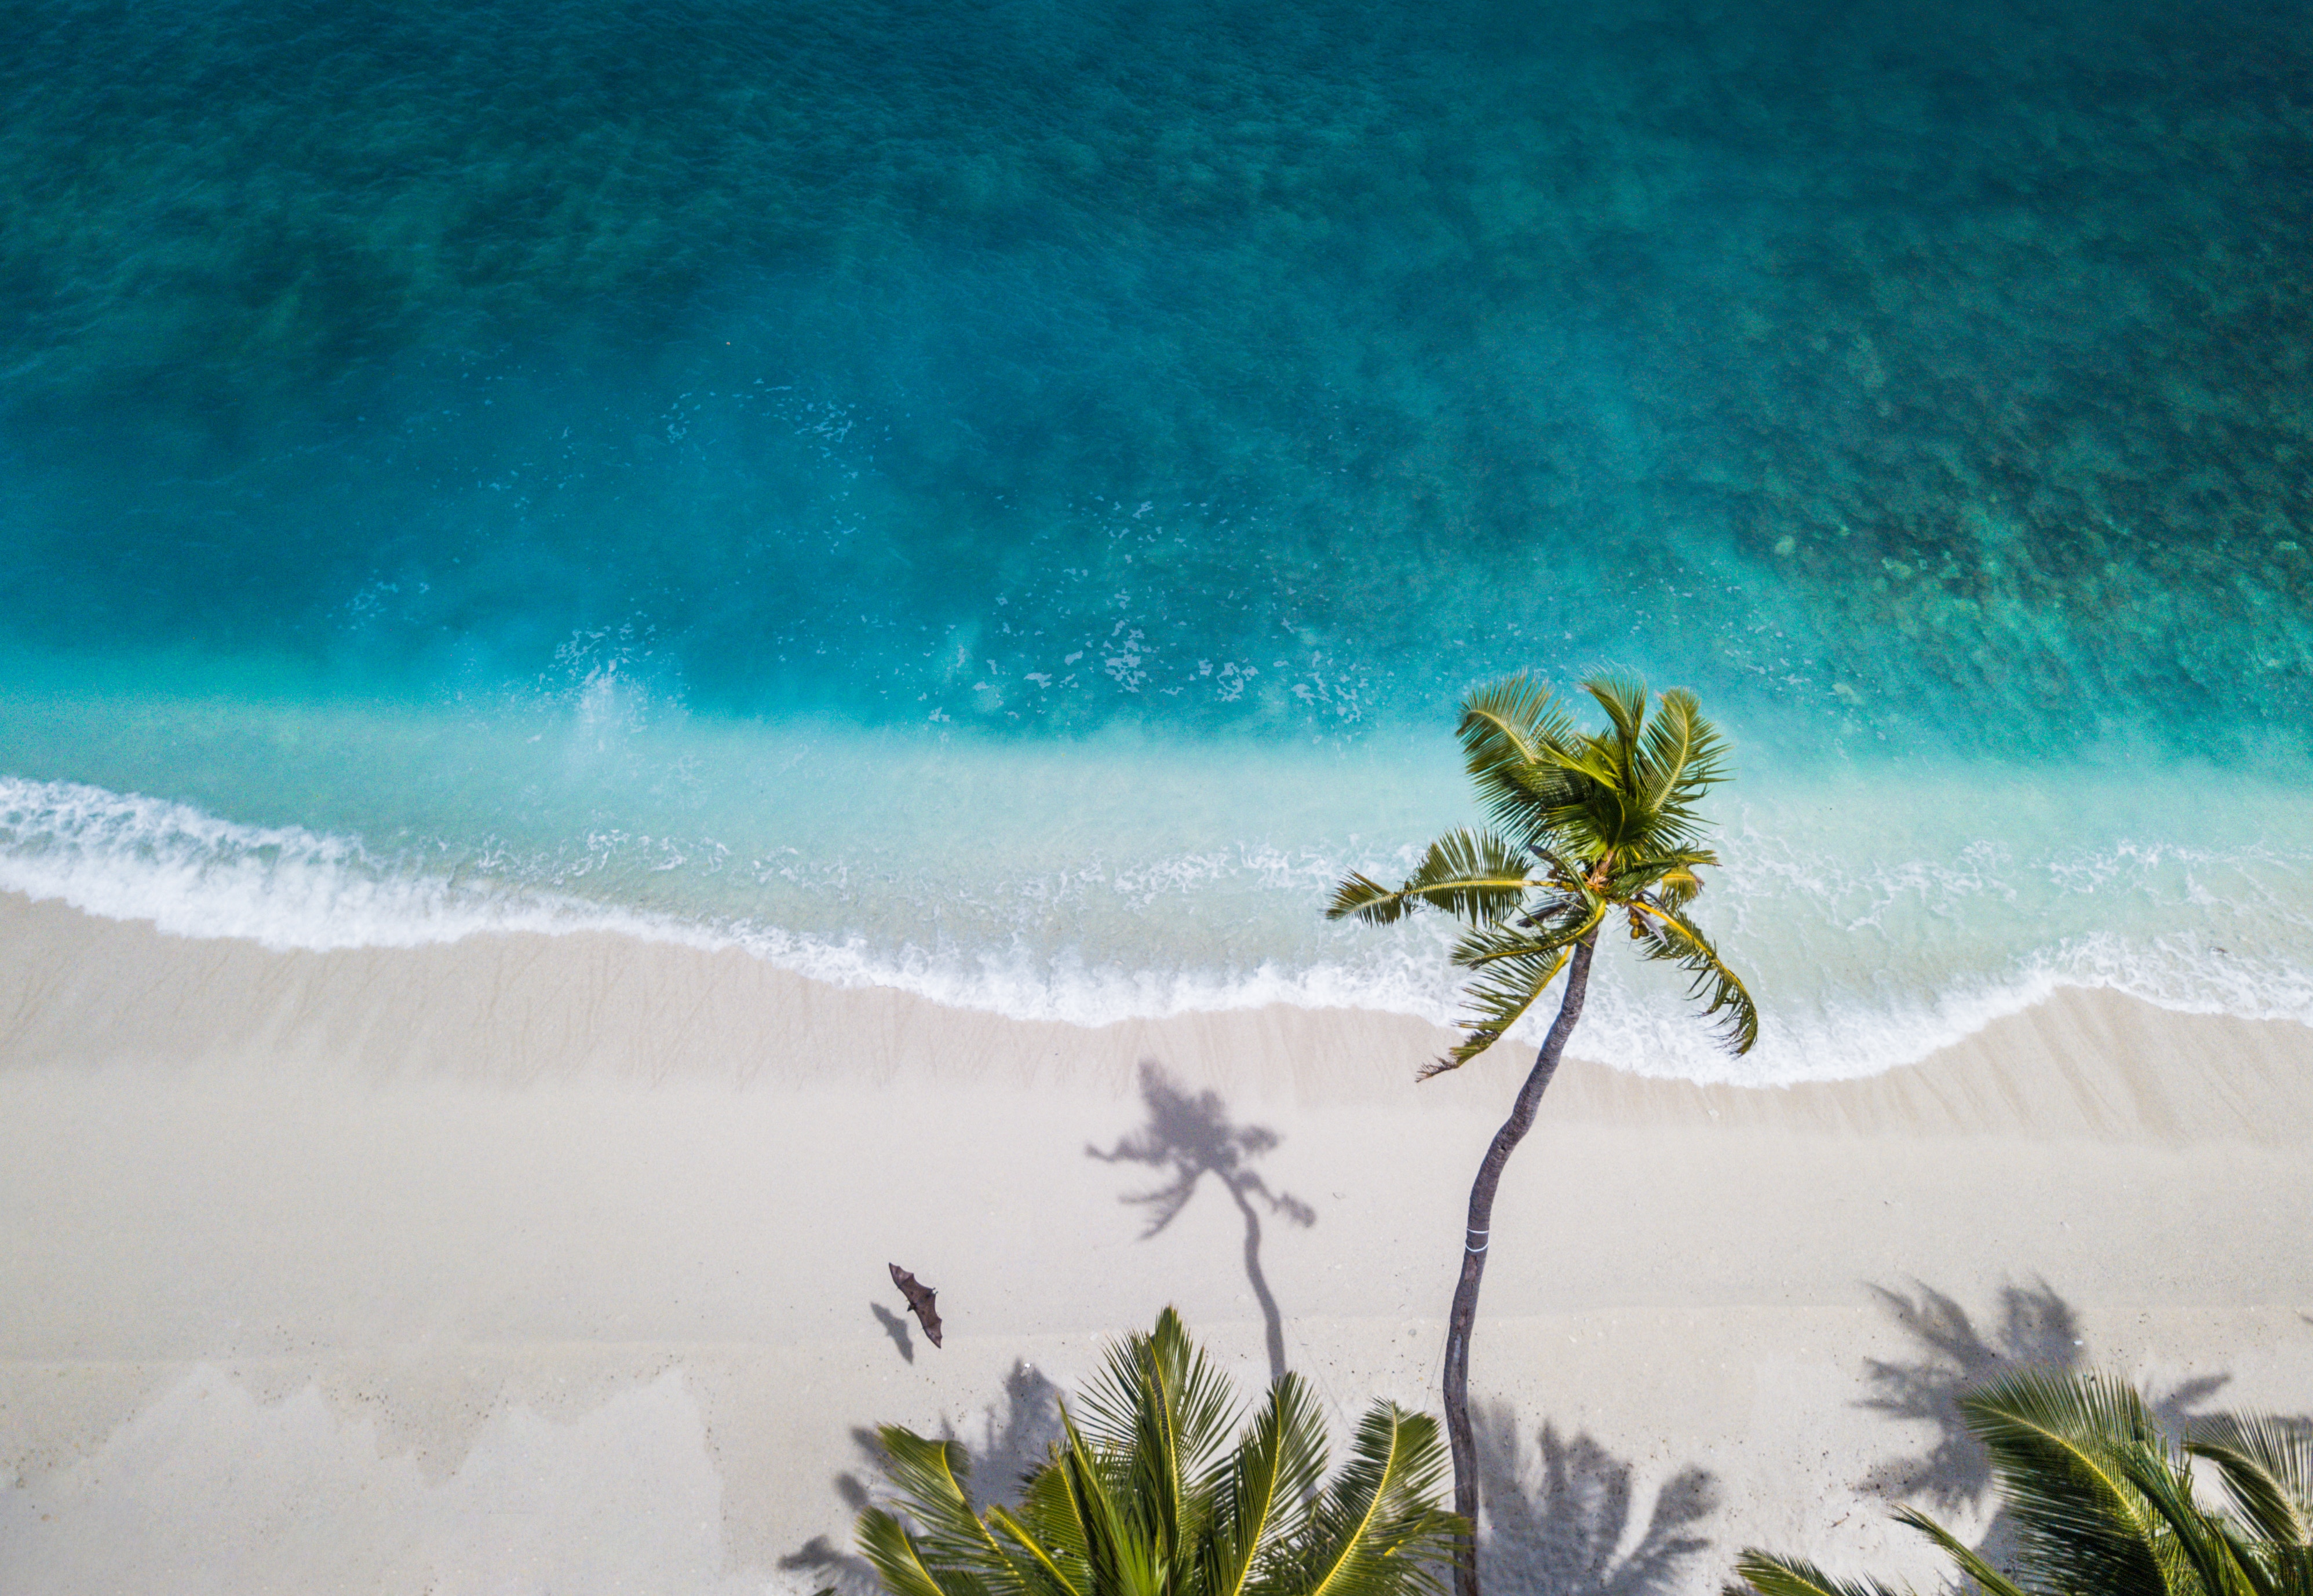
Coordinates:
<point>1586,826</point>
<point>1139,1499</point>
<point>2103,1503</point>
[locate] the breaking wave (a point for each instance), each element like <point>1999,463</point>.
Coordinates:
<point>1861,963</point>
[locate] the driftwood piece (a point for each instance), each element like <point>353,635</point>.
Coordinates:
<point>920,1302</point>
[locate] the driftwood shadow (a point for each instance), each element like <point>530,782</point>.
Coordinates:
<point>1191,1137</point>
<point>1559,1522</point>
<point>1015,1435</point>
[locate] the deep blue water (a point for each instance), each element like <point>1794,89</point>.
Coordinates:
<point>921,468</point>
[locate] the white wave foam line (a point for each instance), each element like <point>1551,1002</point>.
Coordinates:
<point>1394,978</point>
<point>1650,1034</point>
<point>190,873</point>
<point>123,856</point>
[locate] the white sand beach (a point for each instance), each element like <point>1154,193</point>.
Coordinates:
<point>530,1264</point>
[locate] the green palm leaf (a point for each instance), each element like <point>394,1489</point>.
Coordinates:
<point>1508,723</point>
<point>1789,1576</point>
<point>1154,1414</point>
<point>1378,1529</point>
<point>1262,1492</point>
<point>2104,1507</point>
<point>1683,756</point>
<point>2051,1438</point>
<point>1474,875</point>
<point>1048,1526</point>
<point>1625,700</point>
<point>1667,935</point>
<point>1158,1401</point>
<point>929,1477</point>
<point>899,1562</point>
<point>1634,873</point>
<point>1552,932</point>
<point>2267,1467</point>
<point>1047,1564</point>
<point>1592,771</point>
<point>1983,1573</point>
<point>1496,1001</point>
<point>1506,729</point>
<point>1122,1557</point>
<point>2218,1560</point>
<point>1099,1519</point>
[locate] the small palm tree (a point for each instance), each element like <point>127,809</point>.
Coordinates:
<point>1587,825</point>
<point>1137,1499</point>
<point>2103,1503</point>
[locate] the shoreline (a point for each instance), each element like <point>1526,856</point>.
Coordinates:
<point>520,1009</point>
<point>557,1261</point>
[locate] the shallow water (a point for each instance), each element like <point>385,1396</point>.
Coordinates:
<point>1002,498</point>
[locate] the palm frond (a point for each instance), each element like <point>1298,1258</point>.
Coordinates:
<point>2103,1506</point>
<point>1505,730</point>
<point>1118,1551</point>
<point>1667,935</point>
<point>1262,1492</point>
<point>1592,759</point>
<point>1636,873</point>
<point>930,1479</point>
<point>2218,1559</point>
<point>1503,721</point>
<point>1553,930</point>
<point>2267,1467</point>
<point>899,1562</point>
<point>1362,895</point>
<point>1625,700</point>
<point>1791,1576</point>
<point>1094,1520</point>
<point>1682,756</point>
<point>1376,1530</point>
<point>1993,1581</point>
<point>1474,875</point>
<point>1500,998</point>
<point>1049,1533</point>
<point>2053,1439</point>
<point>1160,1404</point>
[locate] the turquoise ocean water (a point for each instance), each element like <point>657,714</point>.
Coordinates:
<point>1000,499</point>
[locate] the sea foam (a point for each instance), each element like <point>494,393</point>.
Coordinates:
<point>1861,963</point>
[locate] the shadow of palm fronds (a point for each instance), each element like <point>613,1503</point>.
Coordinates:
<point>1016,1434</point>
<point>1557,1523</point>
<point>1191,1137</point>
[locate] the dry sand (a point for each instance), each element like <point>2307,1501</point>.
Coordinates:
<point>528,1265</point>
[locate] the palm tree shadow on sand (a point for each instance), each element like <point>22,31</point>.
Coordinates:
<point>2030,1328</point>
<point>1191,1137</point>
<point>1016,1435</point>
<point>1556,1524</point>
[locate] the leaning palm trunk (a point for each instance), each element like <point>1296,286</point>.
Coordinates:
<point>1480,1234</point>
<point>1586,826</point>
